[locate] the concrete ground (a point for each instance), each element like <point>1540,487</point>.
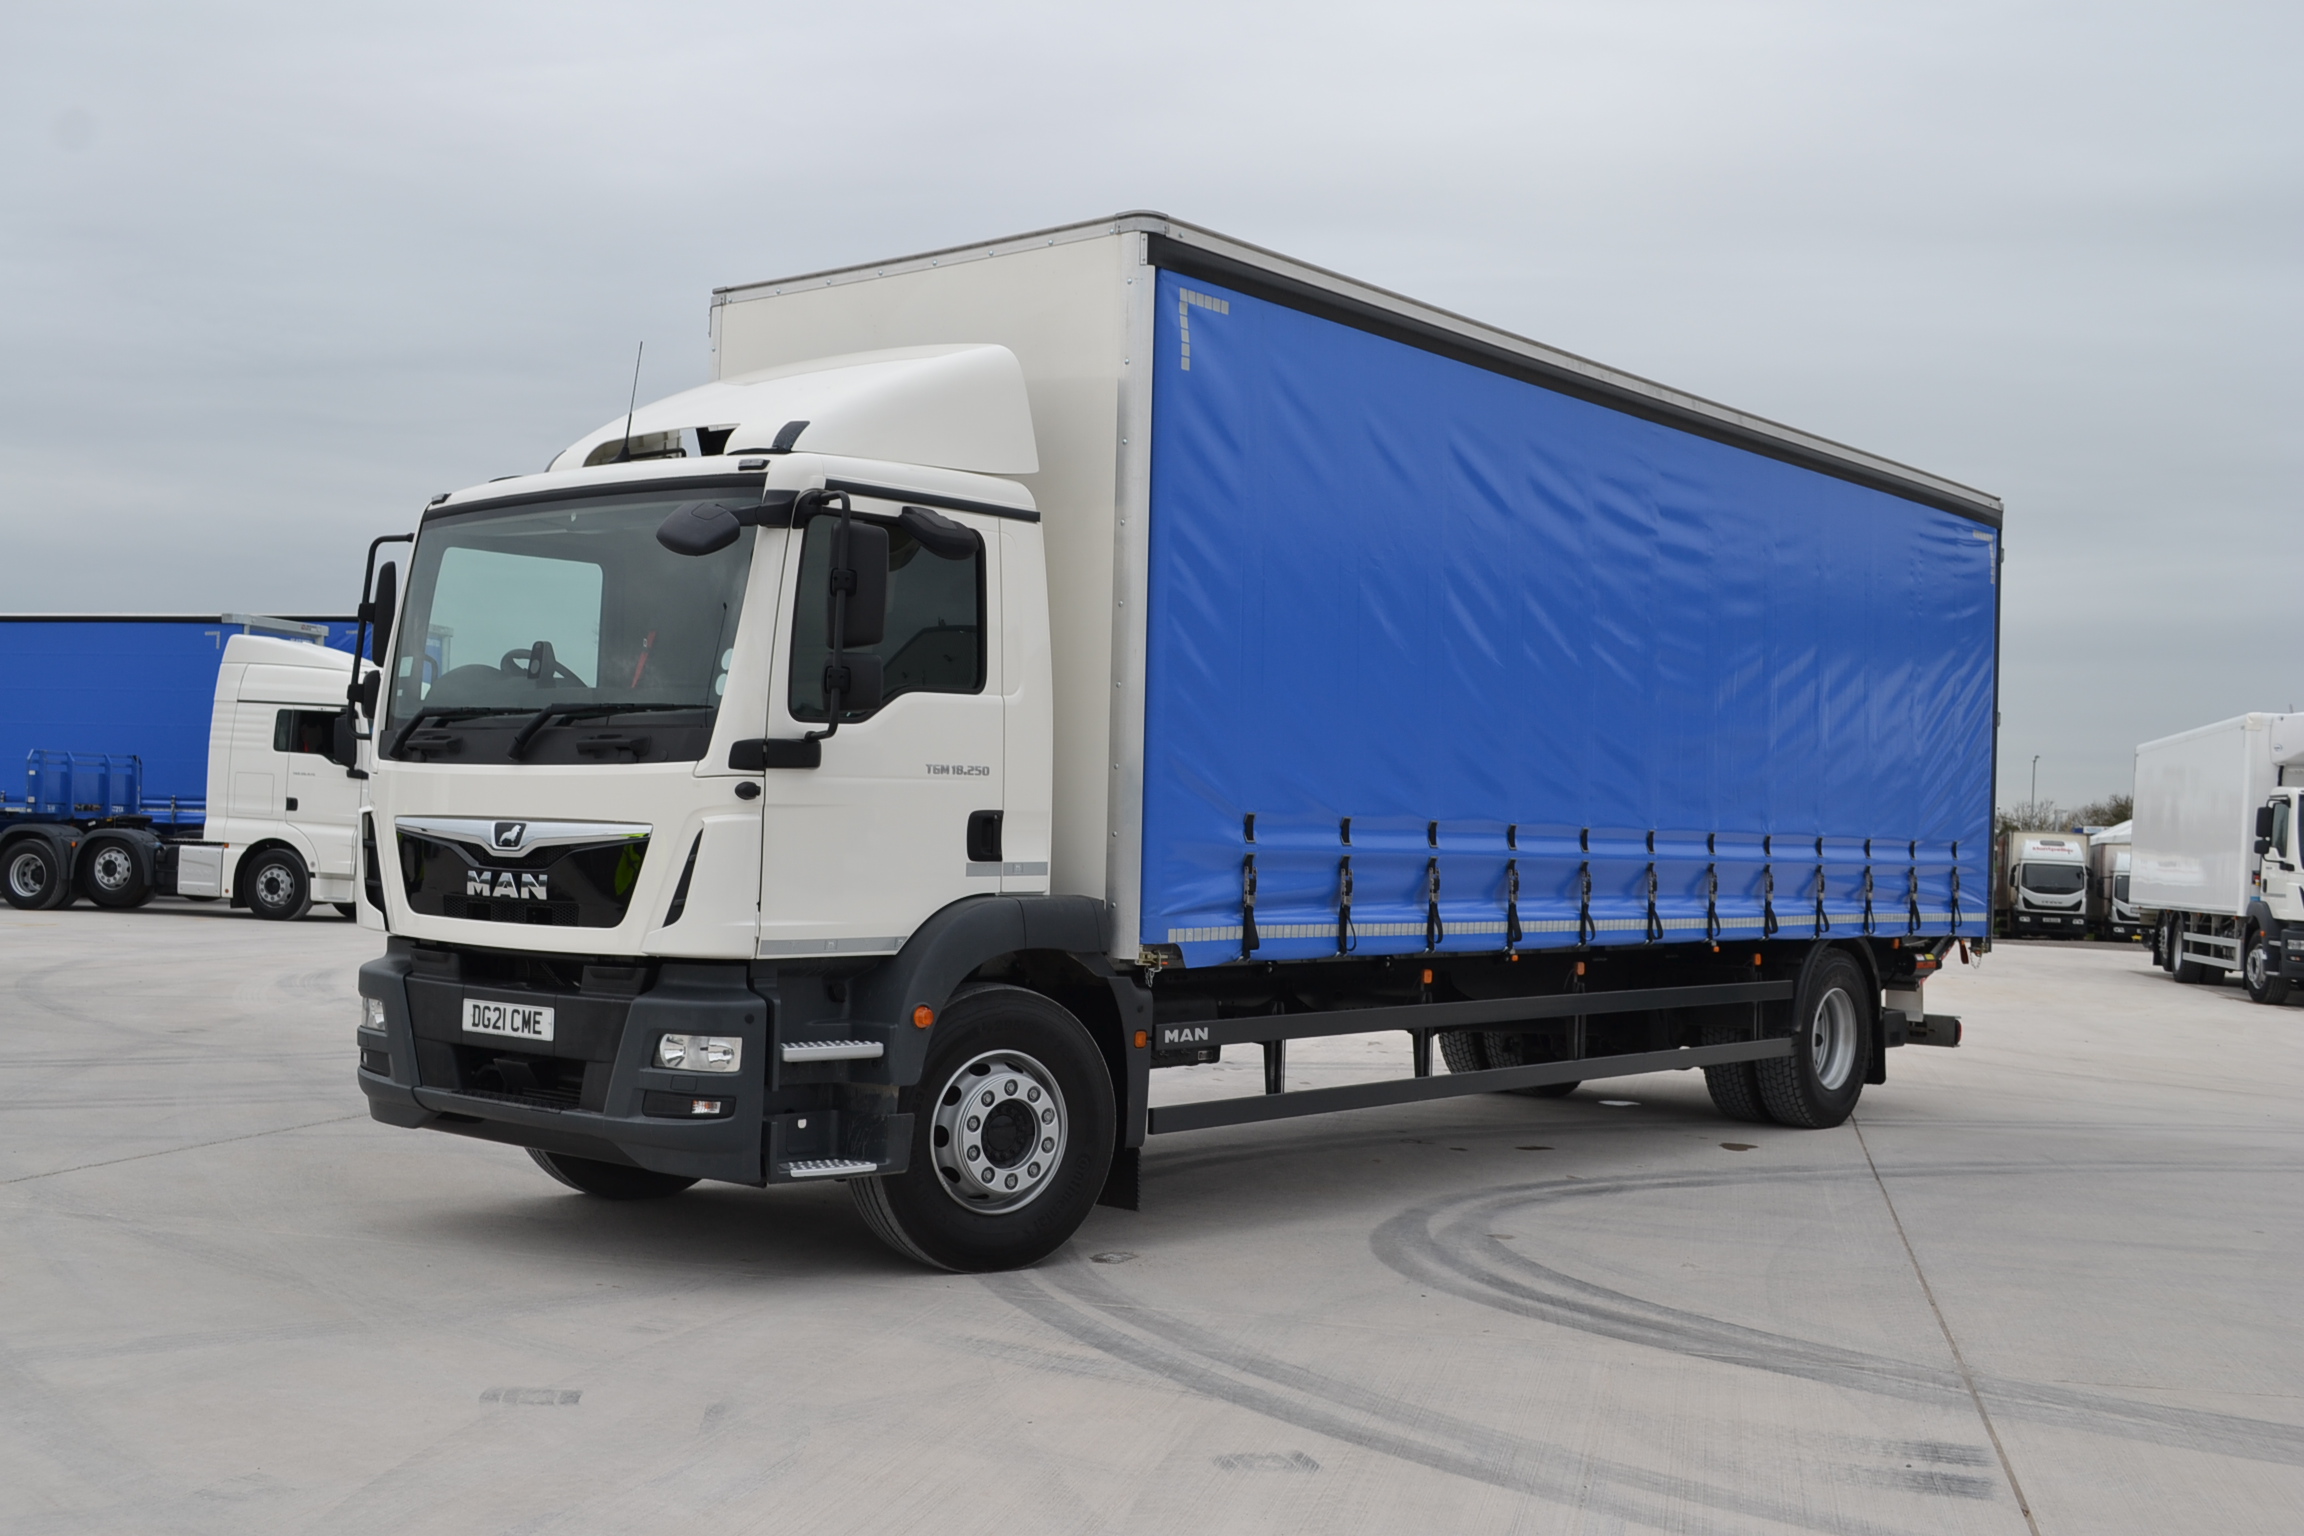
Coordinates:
<point>229,1302</point>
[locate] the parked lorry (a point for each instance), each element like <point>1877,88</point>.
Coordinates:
<point>266,824</point>
<point>2042,884</point>
<point>2215,851</point>
<point>2112,910</point>
<point>1033,665</point>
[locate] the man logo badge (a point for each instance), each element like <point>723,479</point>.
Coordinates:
<point>513,885</point>
<point>509,835</point>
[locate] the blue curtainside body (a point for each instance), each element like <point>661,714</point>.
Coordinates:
<point>1422,635</point>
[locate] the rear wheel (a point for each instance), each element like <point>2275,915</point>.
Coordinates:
<point>113,874</point>
<point>2260,969</point>
<point>34,876</point>
<point>1467,1050</point>
<point>1734,1085</point>
<point>1012,1132</point>
<point>1819,1083</point>
<point>276,886</point>
<point>2190,972</point>
<point>610,1181</point>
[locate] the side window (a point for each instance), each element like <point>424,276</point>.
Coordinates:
<point>935,637</point>
<point>303,730</point>
<point>2280,843</point>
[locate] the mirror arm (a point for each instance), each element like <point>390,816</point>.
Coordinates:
<point>834,698</point>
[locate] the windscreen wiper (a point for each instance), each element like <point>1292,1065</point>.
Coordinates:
<point>568,714</point>
<point>408,728</point>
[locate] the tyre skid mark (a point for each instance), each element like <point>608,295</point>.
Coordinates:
<point>1069,1298</point>
<point>1447,1244</point>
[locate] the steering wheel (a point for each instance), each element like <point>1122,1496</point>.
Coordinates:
<point>537,663</point>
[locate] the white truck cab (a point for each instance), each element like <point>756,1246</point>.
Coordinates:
<point>280,812</point>
<point>2046,884</point>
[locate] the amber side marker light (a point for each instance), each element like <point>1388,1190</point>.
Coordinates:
<point>1143,1038</point>
<point>923,1016</point>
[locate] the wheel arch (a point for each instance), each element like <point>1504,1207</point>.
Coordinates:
<point>257,850</point>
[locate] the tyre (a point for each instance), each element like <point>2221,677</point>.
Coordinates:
<point>2189,972</point>
<point>2260,970</point>
<point>346,909</point>
<point>1735,1085</point>
<point>112,874</point>
<point>610,1181</point>
<point>1012,1131</point>
<point>1467,1050</point>
<point>277,888</point>
<point>32,876</point>
<point>1819,1083</point>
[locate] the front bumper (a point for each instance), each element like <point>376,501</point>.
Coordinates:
<point>595,1091</point>
<point>2047,922</point>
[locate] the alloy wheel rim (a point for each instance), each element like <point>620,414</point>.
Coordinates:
<point>27,875</point>
<point>999,1132</point>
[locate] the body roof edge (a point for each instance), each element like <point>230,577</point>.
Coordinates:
<point>1553,366</point>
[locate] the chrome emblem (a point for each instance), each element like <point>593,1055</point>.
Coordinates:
<point>511,834</point>
<point>514,885</point>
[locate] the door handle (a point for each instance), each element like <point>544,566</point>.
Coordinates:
<point>984,837</point>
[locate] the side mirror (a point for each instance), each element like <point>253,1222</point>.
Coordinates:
<point>2263,822</point>
<point>861,571</point>
<point>699,528</point>
<point>2263,846</point>
<point>343,745</point>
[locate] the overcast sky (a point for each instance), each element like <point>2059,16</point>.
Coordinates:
<point>274,274</point>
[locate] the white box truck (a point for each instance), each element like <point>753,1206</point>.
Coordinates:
<point>2043,884</point>
<point>1030,665</point>
<point>2215,851</point>
<point>2112,910</point>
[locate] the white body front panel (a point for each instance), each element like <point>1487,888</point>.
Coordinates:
<point>2193,845</point>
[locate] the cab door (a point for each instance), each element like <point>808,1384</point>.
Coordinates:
<point>2278,875</point>
<point>859,851</point>
<point>322,799</point>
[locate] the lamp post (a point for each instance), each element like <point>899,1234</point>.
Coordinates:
<point>2035,779</point>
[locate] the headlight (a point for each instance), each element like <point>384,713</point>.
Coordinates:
<point>700,1053</point>
<point>371,1013</point>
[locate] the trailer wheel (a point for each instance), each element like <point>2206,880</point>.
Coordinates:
<point>35,876</point>
<point>2260,969</point>
<point>610,1181</point>
<point>1012,1131</point>
<point>278,890</point>
<point>1819,1083</point>
<point>113,874</point>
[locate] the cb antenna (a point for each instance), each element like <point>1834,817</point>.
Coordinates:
<point>624,454</point>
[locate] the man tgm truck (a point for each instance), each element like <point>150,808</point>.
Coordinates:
<point>180,759</point>
<point>2215,850</point>
<point>1029,666</point>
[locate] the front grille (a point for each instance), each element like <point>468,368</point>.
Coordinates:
<point>515,1077</point>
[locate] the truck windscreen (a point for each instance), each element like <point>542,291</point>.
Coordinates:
<point>566,604</point>
<point>2053,879</point>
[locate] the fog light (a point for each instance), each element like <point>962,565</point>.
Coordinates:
<point>704,1106</point>
<point>700,1053</point>
<point>371,1013</point>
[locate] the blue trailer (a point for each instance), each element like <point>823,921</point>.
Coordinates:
<point>110,717</point>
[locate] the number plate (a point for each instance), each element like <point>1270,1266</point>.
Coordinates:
<point>521,1021</point>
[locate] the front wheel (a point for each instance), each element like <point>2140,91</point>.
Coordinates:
<point>1012,1131</point>
<point>2260,969</point>
<point>609,1181</point>
<point>1819,1083</point>
<point>278,890</point>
